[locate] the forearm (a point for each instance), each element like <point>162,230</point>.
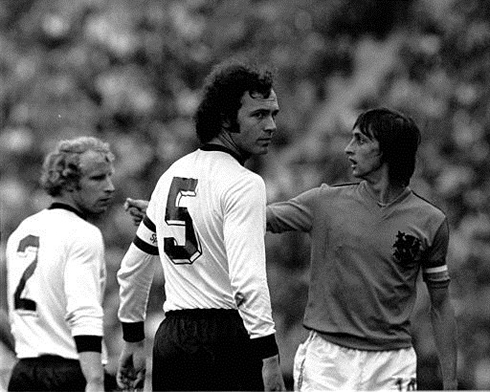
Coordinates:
<point>93,370</point>
<point>89,348</point>
<point>134,278</point>
<point>272,375</point>
<point>445,334</point>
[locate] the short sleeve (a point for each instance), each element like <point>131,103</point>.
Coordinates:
<point>434,266</point>
<point>295,214</point>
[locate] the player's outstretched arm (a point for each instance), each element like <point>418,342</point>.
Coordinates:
<point>131,370</point>
<point>136,208</point>
<point>272,375</point>
<point>445,334</point>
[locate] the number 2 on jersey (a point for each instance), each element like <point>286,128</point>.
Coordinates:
<point>27,246</point>
<point>175,215</point>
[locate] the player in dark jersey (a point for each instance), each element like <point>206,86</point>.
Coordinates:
<point>56,274</point>
<point>368,242</point>
<point>205,224</point>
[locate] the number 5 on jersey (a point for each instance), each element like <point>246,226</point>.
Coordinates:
<point>176,215</point>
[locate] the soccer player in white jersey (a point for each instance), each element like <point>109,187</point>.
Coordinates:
<point>205,223</point>
<point>368,242</point>
<point>56,274</point>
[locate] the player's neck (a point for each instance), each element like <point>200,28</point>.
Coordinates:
<point>67,200</point>
<point>225,139</point>
<point>384,191</point>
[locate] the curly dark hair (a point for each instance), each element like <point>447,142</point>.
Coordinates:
<point>398,137</point>
<point>61,167</point>
<point>223,90</point>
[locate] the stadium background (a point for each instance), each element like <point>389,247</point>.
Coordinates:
<point>129,71</point>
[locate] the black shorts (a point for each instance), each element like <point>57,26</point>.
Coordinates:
<point>204,350</point>
<point>51,373</point>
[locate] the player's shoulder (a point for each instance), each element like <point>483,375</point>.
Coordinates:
<point>224,168</point>
<point>328,192</point>
<point>67,224</point>
<point>182,167</point>
<point>56,225</point>
<point>33,222</point>
<point>243,177</point>
<point>82,234</point>
<point>345,185</point>
<point>338,188</point>
<point>427,205</point>
<point>240,183</point>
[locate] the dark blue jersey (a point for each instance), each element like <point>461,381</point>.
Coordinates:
<point>365,260</point>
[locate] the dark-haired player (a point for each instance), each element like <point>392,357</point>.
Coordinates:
<point>369,241</point>
<point>205,223</point>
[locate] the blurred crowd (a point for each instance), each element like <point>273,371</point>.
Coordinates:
<point>129,72</point>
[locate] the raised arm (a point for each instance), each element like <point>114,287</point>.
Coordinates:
<point>293,215</point>
<point>136,208</point>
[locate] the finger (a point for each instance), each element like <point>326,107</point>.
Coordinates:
<point>128,203</point>
<point>133,211</point>
<point>140,204</point>
<point>123,381</point>
<point>137,218</point>
<point>139,382</point>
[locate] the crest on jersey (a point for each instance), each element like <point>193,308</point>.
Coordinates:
<point>407,248</point>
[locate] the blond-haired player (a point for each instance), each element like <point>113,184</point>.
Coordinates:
<point>56,274</point>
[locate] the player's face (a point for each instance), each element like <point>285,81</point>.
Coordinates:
<point>256,120</point>
<point>95,188</point>
<point>364,155</point>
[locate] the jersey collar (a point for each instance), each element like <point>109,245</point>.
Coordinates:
<point>217,147</point>
<point>369,196</point>
<point>68,208</point>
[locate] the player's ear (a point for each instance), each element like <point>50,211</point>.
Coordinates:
<point>226,123</point>
<point>230,126</point>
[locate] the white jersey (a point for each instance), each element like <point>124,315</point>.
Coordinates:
<point>208,213</point>
<point>56,279</point>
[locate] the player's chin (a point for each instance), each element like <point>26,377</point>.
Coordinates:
<point>356,173</point>
<point>263,149</point>
<point>100,208</point>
